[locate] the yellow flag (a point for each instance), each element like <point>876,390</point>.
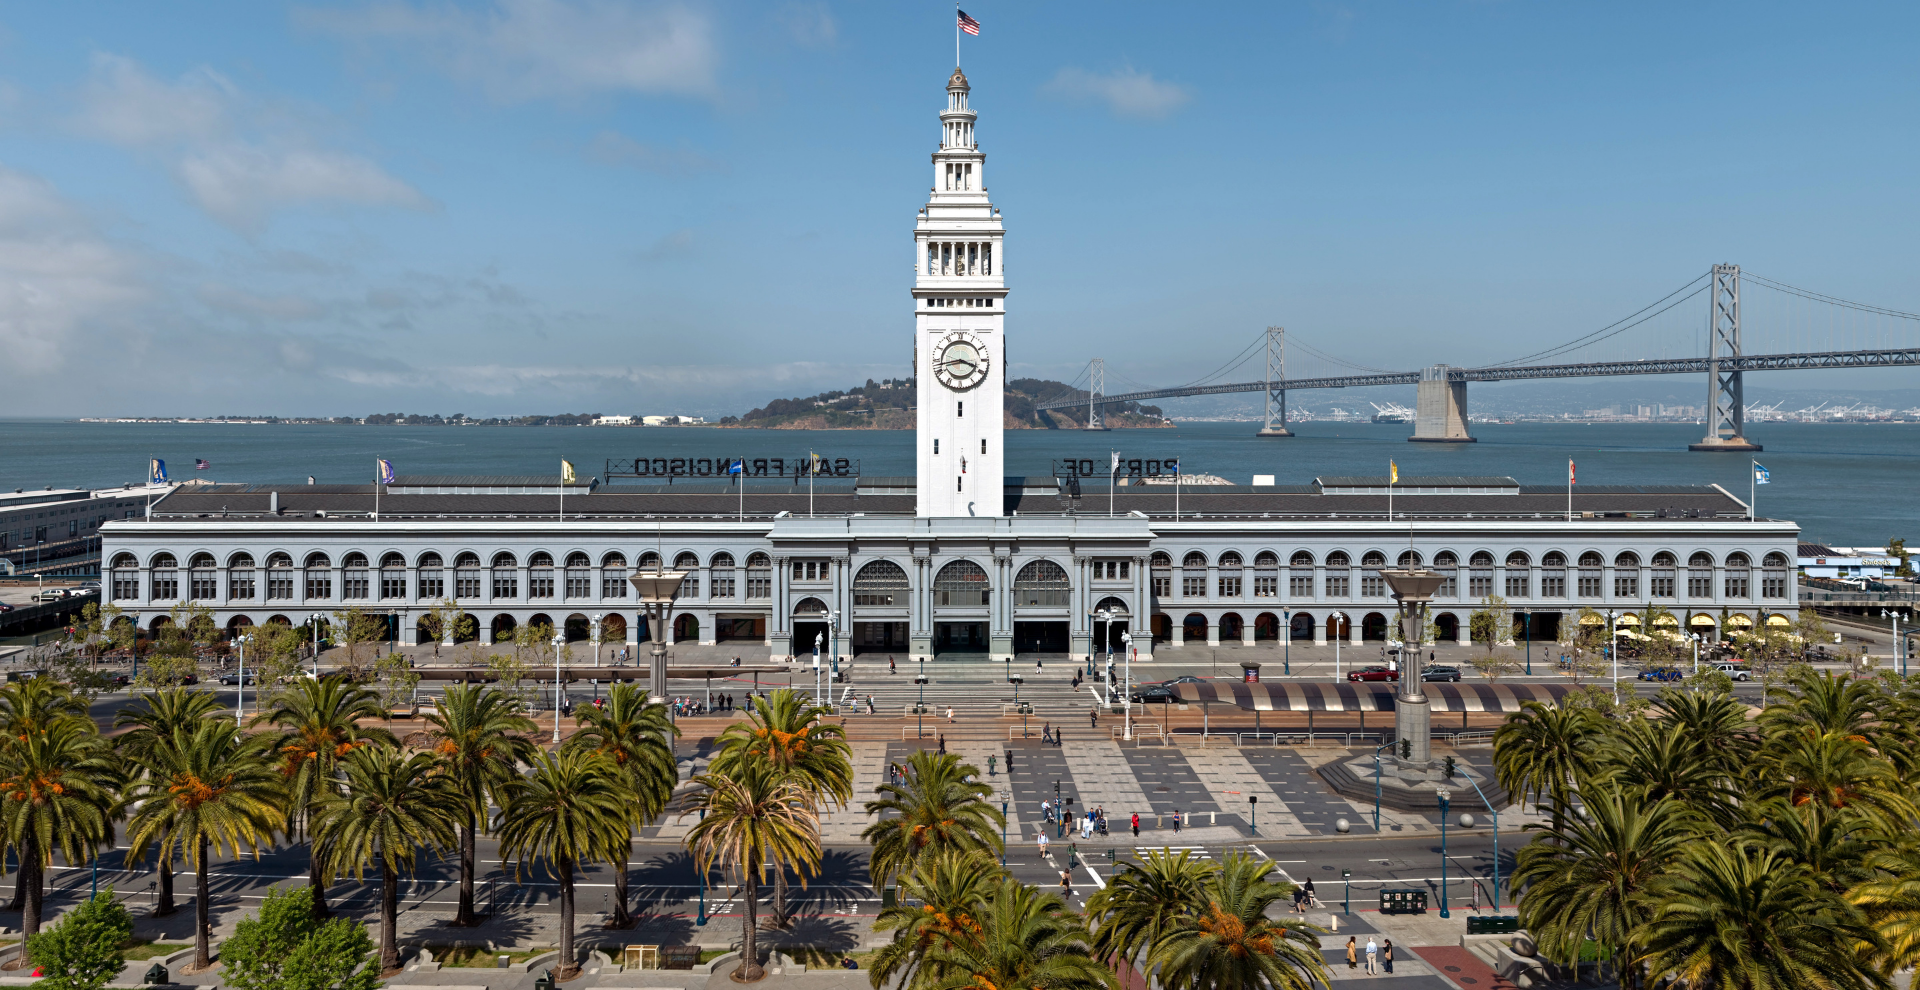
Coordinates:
<point>1393,473</point>
<point>566,472</point>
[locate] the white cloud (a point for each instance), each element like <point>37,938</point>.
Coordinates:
<point>614,148</point>
<point>532,49</point>
<point>240,159</point>
<point>1126,92</point>
<point>811,24</point>
<point>60,281</point>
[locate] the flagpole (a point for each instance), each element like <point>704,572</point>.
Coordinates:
<point>1569,490</point>
<point>1391,469</point>
<point>1753,490</point>
<point>376,489</point>
<point>956,34</point>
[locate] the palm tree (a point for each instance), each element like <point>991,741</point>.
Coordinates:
<point>59,782</point>
<point>479,734</point>
<point>786,732</point>
<point>393,805</point>
<point>936,808</point>
<point>750,818</point>
<point>1664,761</point>
<point>951,890</point>
<point>27,706</point>
<point>1891,901</point>
<point>638,738</point>
<point>1588,877</point>
<point>1826,701</point>
<point>151,729</point>
<point>1835,846</point>
<point>1027,938</point>
<point>1742,917</point>
<point>319,723</point>
<point>1716,723</point>
<point>1231,942</point>
<point>569,810</point>
<point>1542,750</point>
<point>1837,771</point>
<point>214,789</point>
<point>1145,900</point>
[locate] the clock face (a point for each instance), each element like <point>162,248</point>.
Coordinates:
<point>960,361</point>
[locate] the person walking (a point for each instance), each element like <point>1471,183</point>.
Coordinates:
<point>1046,810</point>
<point>1041,841</point>
<point>1373,957</point>
<point>1093,718</point>
<point>990,763</point>
<point>1056,739</point>
<point>892,668</point>
<point>949,718</point>
<point>1176,821</point>
<point>1312,900</point>
<point>1136,824</point>
<point>1386,956</point>
<point>1353,953</point>
<point>1046,732</point>
<point>1066,884</point>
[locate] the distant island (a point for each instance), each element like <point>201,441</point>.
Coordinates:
<point>888,405</point>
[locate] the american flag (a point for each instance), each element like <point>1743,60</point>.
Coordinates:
<point>968,24</point>
<point>200,464</point>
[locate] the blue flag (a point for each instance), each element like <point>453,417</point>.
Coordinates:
<point>157,472</point>
<point>1760,475</point>
<point>736,466</point>
<point>385,470</point>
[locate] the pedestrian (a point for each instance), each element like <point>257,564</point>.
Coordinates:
<point>1312,901</point>
<point>1057,740</point>
<point>1046,810</point>
<point>1373,957</point>
<point>1041,840</point>
<point>990,762</point>
<point>891,667</point>
<point>1093,719</point>
<point>1066,883</point>
<point>1353,953</point>
<point>1009,761</point>
<point>1036,665</point>
<point>949,718</point>
<point>1176,821</point>
<point>943,744</point>
<point>1386,956</point>
<point>1136,824</point>
<point>1046,732</point>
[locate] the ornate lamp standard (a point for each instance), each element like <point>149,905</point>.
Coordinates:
<point>657,590</point>
<point>1413,588</point>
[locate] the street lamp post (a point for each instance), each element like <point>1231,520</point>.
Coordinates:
<point>1126,689</point>
<point>920,706</point>
<point>313,636</point>
<point>1896,639</point>
<point>559,643</point>
<point>1613,653</point>
<point>240,685</point>
<point>1342,616</point>
<point>833,651</point>
<point>657,590</point>
<point>1004,796</point>
<point>1442,794</point>
<point>1413,714</point>
<point>1528,618</point>
<point>1286,641</point>
<point>596,652</point>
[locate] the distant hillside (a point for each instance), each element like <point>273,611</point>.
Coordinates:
<point>888,405</point>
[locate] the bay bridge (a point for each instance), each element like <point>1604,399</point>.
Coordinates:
<point>1440,413</point>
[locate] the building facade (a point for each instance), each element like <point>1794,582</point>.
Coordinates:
<point>961,561</point>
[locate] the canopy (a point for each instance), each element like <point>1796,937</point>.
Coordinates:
<point>1372,696</point>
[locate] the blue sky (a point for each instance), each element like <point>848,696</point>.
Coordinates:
<point>548,205</point>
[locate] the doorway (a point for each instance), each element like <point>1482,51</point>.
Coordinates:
<point>1042,637</point>
<point>960,638</point>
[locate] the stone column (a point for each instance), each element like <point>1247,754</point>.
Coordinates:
<point>1247,629</point>
<point>1213,630</point>
<point>1320,630</point>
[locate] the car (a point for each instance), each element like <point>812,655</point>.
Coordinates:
<point>1736,671</point>
<point>1152,692</point>
<point>50,595</point>
<point>1185,679</point>
<point>1376,672</point>
<point>1661,674</point>
<point>4,607</point>
<point>232,677</point>
<point>1440,673</point>
<point>118,680</point>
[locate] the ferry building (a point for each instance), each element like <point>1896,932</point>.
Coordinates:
<point>962,560</point>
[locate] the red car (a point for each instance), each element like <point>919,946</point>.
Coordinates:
<point>1374,673</point>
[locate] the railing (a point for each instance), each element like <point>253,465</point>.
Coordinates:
<point>1811,596</point>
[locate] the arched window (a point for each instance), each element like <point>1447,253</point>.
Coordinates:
<point>466,575</point>
<point>1339,575</point>
<point>1230,575</point>
<point>881,583</point>
<point>1660,583</point>
<point>721,566</point>
<point>240,577</point>
<point>1409,558</point>
<point>1193,575</point>
<point>1300,576</point>
<point>962,584</point>
<point>1160,567</point>
<point>203,581</point>
<point>393,577</point>
<point>164,559</point>
<point>1372,585</point>
<point>1626,575</point>
<point>540,582</point>
<point>319,577</point>
<point>1519,577</point>
<point>1739,574</point>
<point>1480,575</point>
<point>201,559</point>
<point>759,576</point>
<point>579,575</point>
<point>1773,575</point>
<point>1446,563</point>
<point>504,559</point>
<point>505,575</point>
<point>649,561</point>
<point>279,576</point>
<point>1266,574</point>
<point>1589,575</point>
<point>1700,575</point>
<point>614,559</point>
<point>690,585</point>
<point>430,559</point>
<point>433,580</point>
<point>1663,559</point>
<point>1518,558</point>
<point>1553,574</point>
<point>613,576</point>
<point>125,560</point>
<point>1042,584</point>
<point>126,578</point>
<point>353,576</point>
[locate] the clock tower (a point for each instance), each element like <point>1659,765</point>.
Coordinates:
<point>959,301</point>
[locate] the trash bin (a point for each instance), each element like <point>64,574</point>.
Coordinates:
<point>1250,671</point>
<point>156,976</point>
<point>545,982</point>
<point>889,897</point>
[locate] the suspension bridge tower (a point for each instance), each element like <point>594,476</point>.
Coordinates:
<point>1276,425</point>
<point>1726,400</point>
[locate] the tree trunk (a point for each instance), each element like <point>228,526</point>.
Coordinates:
<point>317,882</point>
<point>750,970</point>
<point>780,919</point>
<point>19,888</point>
<point>621,919</point>
<point>567,967</point>
<point>202,945</point>
<point>31,870</point>
<point>389,917</point>
<point>164,906</point>
<point>464,916</point>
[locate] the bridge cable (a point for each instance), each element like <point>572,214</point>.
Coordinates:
<point>1617,326</point>
<point>1830,300</point>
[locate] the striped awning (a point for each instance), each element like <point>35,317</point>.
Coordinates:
<point>1371,696</point>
